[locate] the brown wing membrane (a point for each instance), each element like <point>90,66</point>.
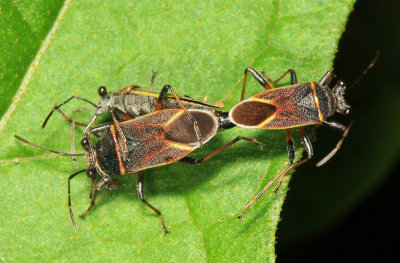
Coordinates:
<point>252,113</point>
<point>181,130</point>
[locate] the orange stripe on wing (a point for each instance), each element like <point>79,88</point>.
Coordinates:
<point>117,149</point>
<point>262,100</point>
<point>173,118</point>
<point>185,150</point>
<point>270,118</point>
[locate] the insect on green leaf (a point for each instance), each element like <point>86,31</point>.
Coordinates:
<point>199,48</point>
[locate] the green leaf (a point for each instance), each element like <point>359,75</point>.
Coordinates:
<point>199,48</point>
<point>23,27</point>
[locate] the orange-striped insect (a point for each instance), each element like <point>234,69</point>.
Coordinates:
<point>293,106</point>
<point>156,139</point>
<point>128,103</point>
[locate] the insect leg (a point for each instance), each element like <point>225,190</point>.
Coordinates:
<point>291,153</point>
<point>293,77</point>
<point>198,161</point>
<point>73,133</point>
<point>47,149</point>
<point>71,214</point>
<point>141,196</point>
<point>68,119</point>
<point>58,106</point>
<point>91,173</point>
<point>92,203</point>
<point>263,82</point>
<point>309,150</point>
<point>257,76</point>
<point>93,192</point>
<point>153,76</point>
<point>160,102</point>
<point>339,144</point>
<point>326,78</point>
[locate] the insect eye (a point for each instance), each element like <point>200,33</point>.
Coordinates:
<point>91,173</point>
<point>347,112</point>
<point>139,109</point>
<point>84,142</point>
<point>102,91</point>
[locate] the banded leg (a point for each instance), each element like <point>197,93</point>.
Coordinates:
<point>309,150</point>
<point>291,153</point>
<point>263,82</point>
<point>141,196</point>
<point>71,214</point>
<point>198,161</point>
<point>326,78</point>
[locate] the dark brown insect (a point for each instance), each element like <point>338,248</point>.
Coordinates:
<point>156,139</point>
<point>294,106</point>
<point>128,103</point>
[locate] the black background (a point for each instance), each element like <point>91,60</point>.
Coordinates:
<point>367,233</point>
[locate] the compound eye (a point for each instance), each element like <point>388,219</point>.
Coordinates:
<point>91,173</point>
<point>347,112</point>
<point>85,142</point>
<point>341,83</point>
<point>102,91</point>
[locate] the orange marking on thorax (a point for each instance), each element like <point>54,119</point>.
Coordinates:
<point>314,90</point>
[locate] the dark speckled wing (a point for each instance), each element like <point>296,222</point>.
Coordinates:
<point>164,136</point>
<point>147,146</point>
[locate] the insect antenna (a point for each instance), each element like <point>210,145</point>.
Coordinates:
<point>46,149</point>
<point>371,65</point>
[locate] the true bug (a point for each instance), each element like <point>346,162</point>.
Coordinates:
<point>293,106</point>
<point>131,102</point>
<point>128,103</point>
<point>156,139</point>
